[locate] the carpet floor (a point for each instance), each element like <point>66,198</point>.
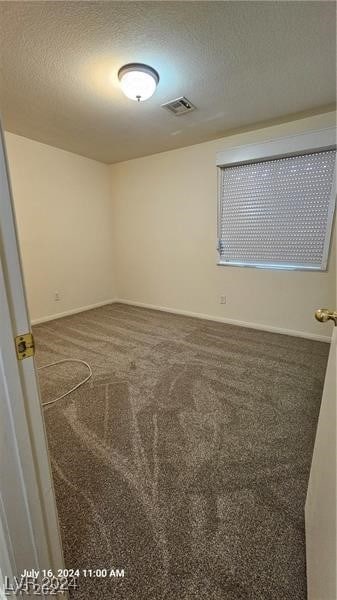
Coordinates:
<point>185,460</point>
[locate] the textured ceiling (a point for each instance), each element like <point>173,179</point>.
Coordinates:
<point>240,63</point>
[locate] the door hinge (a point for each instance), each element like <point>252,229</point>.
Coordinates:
<point>24,345</point>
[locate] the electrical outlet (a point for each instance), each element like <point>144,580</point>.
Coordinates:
<point>223,300</point>
<point>57,297</point>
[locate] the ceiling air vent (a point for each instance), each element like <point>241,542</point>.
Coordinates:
<point>179,106</point>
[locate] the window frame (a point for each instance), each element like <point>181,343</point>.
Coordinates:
<point>295,145</point>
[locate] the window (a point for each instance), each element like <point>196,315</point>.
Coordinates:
<point>276,210</point>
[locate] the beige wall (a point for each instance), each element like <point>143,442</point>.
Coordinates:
<point>165,237</point>
<point>145,231</point>
<point>63,209</point>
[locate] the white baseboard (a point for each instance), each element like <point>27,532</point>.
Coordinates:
<point>187,313</point>
<point>73,311</point>
<point>262,327</point>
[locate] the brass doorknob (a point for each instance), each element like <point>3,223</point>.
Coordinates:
<point>324,314</point>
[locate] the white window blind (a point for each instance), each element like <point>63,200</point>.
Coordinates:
<point>277,213</point>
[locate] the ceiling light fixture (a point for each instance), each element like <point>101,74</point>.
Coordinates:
<point>138,81</point>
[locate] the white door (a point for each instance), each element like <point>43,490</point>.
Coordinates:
<point>29,533</point>
<point>320,509</point>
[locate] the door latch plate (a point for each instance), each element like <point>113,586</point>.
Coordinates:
<point>24,345</point>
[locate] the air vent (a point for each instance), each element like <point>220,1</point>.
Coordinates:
<point>179,106</point>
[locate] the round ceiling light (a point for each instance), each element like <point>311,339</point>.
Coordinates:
<point>138,81</point>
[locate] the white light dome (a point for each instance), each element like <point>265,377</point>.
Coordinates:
<point>138,81</point>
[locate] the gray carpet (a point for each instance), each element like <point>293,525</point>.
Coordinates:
<point>185,460</point>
